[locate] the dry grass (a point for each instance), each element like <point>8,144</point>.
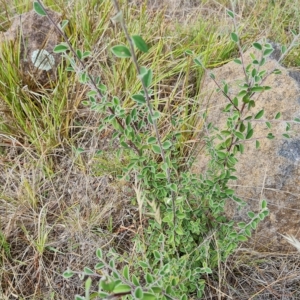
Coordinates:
<point>249,275</point>
<point>58,204</point>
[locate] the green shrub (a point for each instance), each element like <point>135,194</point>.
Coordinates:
<point>187,233</point>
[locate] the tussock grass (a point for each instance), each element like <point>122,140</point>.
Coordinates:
<point>60,198</point>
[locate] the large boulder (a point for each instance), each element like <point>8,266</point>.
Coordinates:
<point>37,37</point>
<point>271,172</point>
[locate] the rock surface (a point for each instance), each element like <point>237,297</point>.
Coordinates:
<point>273,171</point>
<point>37,37</point>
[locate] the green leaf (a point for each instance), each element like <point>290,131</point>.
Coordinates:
<point>254,224</point>
<point>212,75</point>
<point>230,13</point>
<point>116,101</point>
<point>267,88</point>
<point>257,89</point>
<point>68,274</point>
<point>270,136</point>
<point>262,61</point>
<point>267,52</point>
<point>135,280</point>
<point>225,89</point>
<point>151,140</point>
<point>266,212</point>
<point>242,238</point>
<point>248,231</point>
<point>251,214</point>
<point>155,115</point>
<point>286,135</point>
<point>79,53</point>
<point>294,32</point>
<point>99,265</point>
<point>77,297</point>
<point>257,144</point>
<point>102,295</point>
<point>146,76</point>
<point>86,54</point>
<point>138,293</point>
<point>268,124</point>
<point>229,192</point>
<point>128,120</point>
<point>259,114</point>
<point>198,62</point>
<point>63,47</point>
<point>257,46</point>
<point>88,271</point>
<point>149,278</point>
<point>156,289</point>
<point>39,9</point>
<point>297,119</point>
<point>235,101</point>
<point>166,145</point>
<point>140,43</point>
<point>121,51</point>
<point>160,175</point>
<point>112,263</point>
<point>278,115</point>
<point>283,49</point>
<point>239,135</point>
<point>126,272</point>
<point>157,254</point>
<point>242,127</point>
<point>234,37</point>
<point>173,187</point>
<point>249,134</point>
<point>237,61</point>
<point>88,284</point>
<point>242,224</point>
<point>149,296</point>
<point>63,24</point>
<point>83,77</point>
<point>264,204</point>
<point>221,154</point>
<point>122,288</point>
<point>140,99</point>
<point>156,149</point>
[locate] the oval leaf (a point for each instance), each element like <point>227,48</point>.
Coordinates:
<point>156,149</point>
<point>121,51</point>
<point>259,114</point>
<point>138,293</point>
<point>140,43</point>
<point>122,288</point>
<point>249,134</point>
<point>39,9</point>
<point>140,99</point>
<point>234,37</point>
<point>63,47</point>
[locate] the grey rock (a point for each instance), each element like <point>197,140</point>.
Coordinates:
<point>271,172</point>
<point>37,37</point>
